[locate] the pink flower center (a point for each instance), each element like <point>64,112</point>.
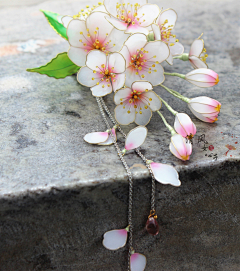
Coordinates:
<point>127,13</point>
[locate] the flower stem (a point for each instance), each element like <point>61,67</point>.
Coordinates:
<point>168,106</point>
<point>176,94</point>
<point>175,74</point>
<point>183,57</point>
<point>170,128</point>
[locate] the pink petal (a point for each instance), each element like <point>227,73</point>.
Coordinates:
<point>109,140</point>
<point>197,63</point>
<point>138,262</point>
<point>165,174</point>
<point>95,138</point>
<point>135,42</point>
<point>136,28</point>
<point>184,125</point>
<point>120,25</point>
<point>202,77</point>
<point>135,138</point>
<point>180,148</point>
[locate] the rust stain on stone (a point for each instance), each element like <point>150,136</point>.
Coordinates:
<point>230,147</point>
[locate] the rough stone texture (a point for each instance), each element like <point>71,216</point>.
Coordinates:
<point>59,195</point>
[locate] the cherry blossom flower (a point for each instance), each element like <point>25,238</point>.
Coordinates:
<point>205,108</point>
<point>130,16</point>
<point>94,33</point>
<point>203,78</point>
<point>162,30</point>
<point>179,147</point>
<point>143,59</point>
<point>115,239</point>
<point>103,73</point>
<point>184,125</point>
<point>196,56</point>
<point>136,104</point>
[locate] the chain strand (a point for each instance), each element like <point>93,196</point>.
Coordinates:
<point>130,200</point>
<point>137,151</point>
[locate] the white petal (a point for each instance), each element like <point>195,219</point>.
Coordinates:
<point>165,174</point>
<point>95,59</point>
<point>118,81</point>
<point>120,25</point>
<point>170,59</point>
<point>77,55</point>
<point>142,86</point>
<point>100,8</point>
<point>176,49</point>
<point>131,76</point>
<point>75,27</point>
<point>66,20</point>
<point>102,89</point>
<point>136,29</point>
<point>168,14</point>
<point>153,100</point>
<point>109,140</point>
<point>115,40</point>
<point>124,114</point>
<point>196,47</point>
<point>174,151</point>
<point>96,21</point>
<point>143,115</point>
<point>116,63</point>
<point>135,42</point>
<point>147,14</point>
<point>87,78</point>
<point>95,138</point>
<point>121,95</point>
<point>59,18</point>
<point>115,239</point>
<point>156,76</point>
<point>126,54</point>
<point>157,51</point>
<point>135,138</point>
<point>197,63</point>
<point>156,31</point>
<point>138,262</point>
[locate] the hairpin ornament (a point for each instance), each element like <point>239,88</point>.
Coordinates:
<point>118,46</point>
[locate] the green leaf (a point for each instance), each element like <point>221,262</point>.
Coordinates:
<point>53,21</point>
<point>59,67</point>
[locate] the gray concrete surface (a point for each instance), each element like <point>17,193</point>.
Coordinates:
<point>59,195</point>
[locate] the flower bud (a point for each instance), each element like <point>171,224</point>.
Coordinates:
<point>203,78</point>
<point>205,108</point>
<point>184,126</point>
<point>180,147</point>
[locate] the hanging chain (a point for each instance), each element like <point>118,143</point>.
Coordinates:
<point>130,200</point>
<point>137,151</point>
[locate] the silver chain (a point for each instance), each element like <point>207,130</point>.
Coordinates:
<point>130,200</point>
<point>137,151</point>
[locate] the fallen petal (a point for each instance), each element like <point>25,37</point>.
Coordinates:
<point>96,137</point>
<point>138,262</point>
<point>135,138</point>
<point>110,140</point>
<point>115,239</point>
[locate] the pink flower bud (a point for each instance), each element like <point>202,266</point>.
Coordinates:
<point>180,147</point>
<point>184,125</point>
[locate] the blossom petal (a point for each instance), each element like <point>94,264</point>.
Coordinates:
<point>197,63</point>
<point>136,28</point>
<point>95,138</point>
<point>184,125</point>
<point>156,31</point>
<point>143,114</point>
<point>147,14</point>
<point>115,40</point>
<point>204,117</point>
<point>116,63</point>
<point>169,60</point>
<point>157,51</point>
<point>131,76</point>
<point>121,95</point>
<point>77,56</point>
<point>202,77</point>
<point>66,20</point>
<point>170,15</point>
<point>142,86</point>
<point>135,42</point>
<point>180,148</point>
<point>102,89</point>
<point>138,262</point>
<point>196,47</point>
<point>115,239</point>
<point>120,25</point>
<point>100,8</point>
<point>165,174</point>
<point>153,100</point>
<point>177,48</point>
<point>155,76</point>
<point>124,114</point>
<point>118,81</point>
<point>135,138</point>
<point>126,54</point>
<point>87,78</point>
<point>95,59</point>
<point>109,140</point>
<point>204,104</point>
<point>75,27</point>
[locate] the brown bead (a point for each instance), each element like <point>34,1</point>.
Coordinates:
<point>152,226</point>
